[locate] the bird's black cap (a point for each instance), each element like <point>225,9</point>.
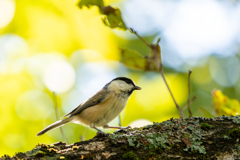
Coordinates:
<point>125,79</point>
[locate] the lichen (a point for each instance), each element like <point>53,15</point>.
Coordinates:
<point>196,147</point>
<point>130,156</point>
<point>201,157</point>
<point>159,135</point>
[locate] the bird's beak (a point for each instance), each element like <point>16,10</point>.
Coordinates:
<point>137,88</point>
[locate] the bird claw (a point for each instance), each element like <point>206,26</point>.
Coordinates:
<point>123,129</point>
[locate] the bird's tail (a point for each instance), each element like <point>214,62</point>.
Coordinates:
<point>54,125</point>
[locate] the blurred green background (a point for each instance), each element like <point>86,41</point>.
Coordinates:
<point>52,45</point>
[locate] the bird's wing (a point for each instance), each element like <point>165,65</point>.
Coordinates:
<point>99,97</point>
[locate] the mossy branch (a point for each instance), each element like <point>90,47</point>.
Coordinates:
<point>190,138</point>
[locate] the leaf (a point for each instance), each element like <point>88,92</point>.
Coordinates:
<point>224,105</point>
<point>206,113</point>
<point>113,17</point>
<point>90,3</point>
<point>132,59</point>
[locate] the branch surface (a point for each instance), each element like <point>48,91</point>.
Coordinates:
<point>190,138</point>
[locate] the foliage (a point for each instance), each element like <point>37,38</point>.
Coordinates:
<point>112,16</point>
<point>224,105</point>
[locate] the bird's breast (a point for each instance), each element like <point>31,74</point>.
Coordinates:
<point>112,110</point>
<point>104,112</point>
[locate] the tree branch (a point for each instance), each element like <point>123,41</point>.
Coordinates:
<point>190,138</point>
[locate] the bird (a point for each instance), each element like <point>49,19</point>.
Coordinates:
<point>101,108</point>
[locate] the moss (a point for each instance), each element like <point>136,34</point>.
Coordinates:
<point>20,155</point>
<point>159,150</point>
<point>234,133</point>
<point>205,126</point>
<point>89,156</point>
<point>75,147</point>
<point>5,156</point>
<point>201,157</point>
<point>151,155</point>
<point>62,157</point>
<point>51,151</point>
<point>39,154</point>
<point>42,145</point>
<point>51,145</point>
<point>124,148</point>
<point>130,156</point>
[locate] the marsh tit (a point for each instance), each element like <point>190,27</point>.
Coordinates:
<point>101,108</point>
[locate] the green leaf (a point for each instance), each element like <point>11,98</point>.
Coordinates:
<point>113,17</point>
<point>133,59</point>
<point>206,113</point>
<point>90,3</point>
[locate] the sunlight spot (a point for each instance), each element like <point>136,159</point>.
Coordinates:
<point>7,10</point>
<point>59,76</point>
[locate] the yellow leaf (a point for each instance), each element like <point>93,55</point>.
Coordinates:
<point>224,105</point>
<point>132,59</point>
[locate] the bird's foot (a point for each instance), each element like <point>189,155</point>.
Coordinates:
<point>122,129</point>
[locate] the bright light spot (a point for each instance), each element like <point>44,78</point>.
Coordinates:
<point>59,76</point>
<point>147,17</point>
<point>13,46</point>
<point>38,63</point>
<point>14,140</point>
<point>7,10</point>
<point>140,123</point>
<point>189,29</point>
<point>199,28</point>
<point>33,105</point>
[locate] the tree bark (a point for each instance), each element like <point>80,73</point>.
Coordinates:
<point>190,138</point>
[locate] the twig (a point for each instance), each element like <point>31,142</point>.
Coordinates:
<point>144,41</point>
<point>119,120</point>
<point>189,110</point>
<point>157,58</point>
<point>179,109</point>
<point>57,116</point>
<point>83,136</point>
<point>192,100</point>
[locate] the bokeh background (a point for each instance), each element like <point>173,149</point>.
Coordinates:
<point>52,46</point>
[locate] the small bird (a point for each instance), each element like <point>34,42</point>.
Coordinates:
<point>101,108</point>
